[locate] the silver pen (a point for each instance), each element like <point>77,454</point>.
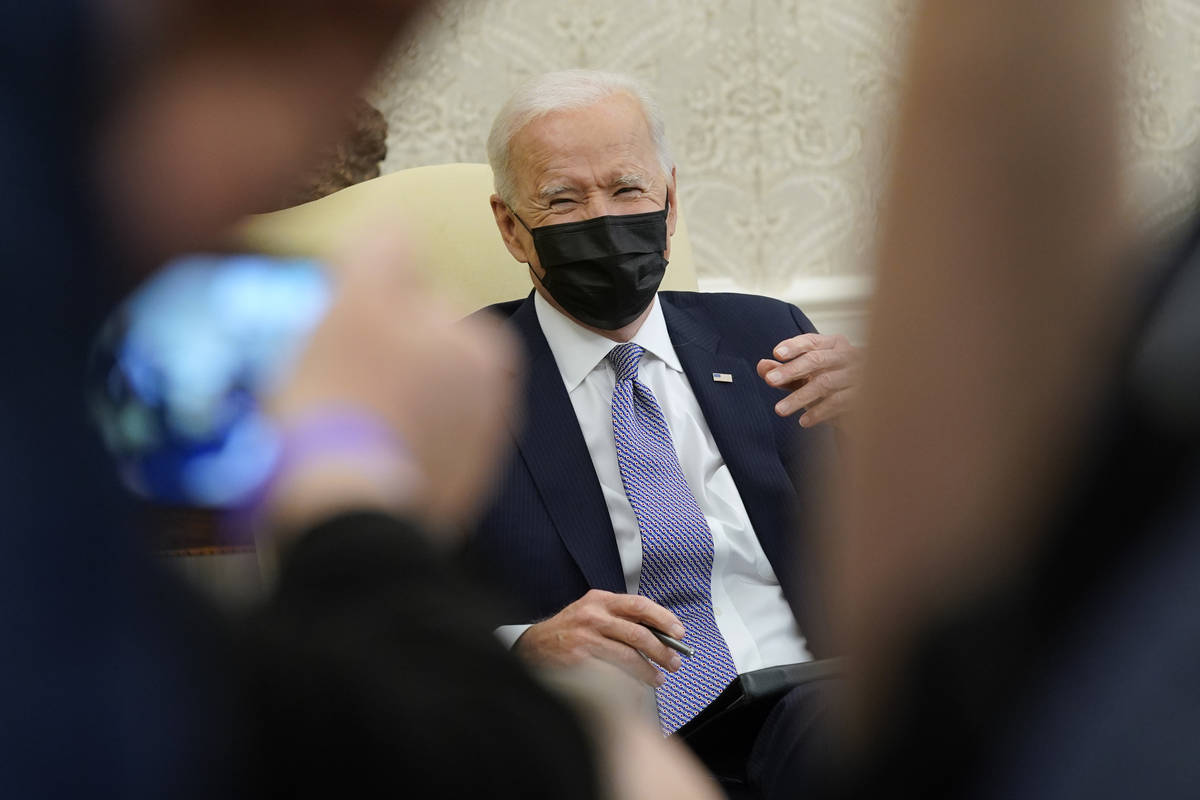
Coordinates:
<point>674,644</point>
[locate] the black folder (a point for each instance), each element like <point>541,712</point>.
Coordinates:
<point>723,733</point>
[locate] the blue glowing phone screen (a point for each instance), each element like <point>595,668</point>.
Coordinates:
<point>180,368</point>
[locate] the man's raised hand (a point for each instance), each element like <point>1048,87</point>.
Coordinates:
<point>821,372</point>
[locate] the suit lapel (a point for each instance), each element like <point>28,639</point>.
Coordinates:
<point>553,449</point>
<point>740,420</point>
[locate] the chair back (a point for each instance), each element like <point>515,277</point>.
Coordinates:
<point>445,210</point>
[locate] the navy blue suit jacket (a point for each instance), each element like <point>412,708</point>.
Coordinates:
<point>547,537</point>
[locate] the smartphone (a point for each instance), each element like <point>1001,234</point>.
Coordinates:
<point>179,370</point>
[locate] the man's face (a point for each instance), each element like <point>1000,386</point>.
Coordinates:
<point>583,163</point>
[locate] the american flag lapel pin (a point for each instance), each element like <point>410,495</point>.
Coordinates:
<point>722,377</point>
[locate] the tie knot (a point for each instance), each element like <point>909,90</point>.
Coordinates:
<point>624,359</point>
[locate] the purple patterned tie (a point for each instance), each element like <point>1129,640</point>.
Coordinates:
<point>677,548</point>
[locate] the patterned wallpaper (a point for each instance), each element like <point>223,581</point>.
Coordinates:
<point>777,112</point>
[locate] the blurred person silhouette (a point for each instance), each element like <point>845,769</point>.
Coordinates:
<point>665,448</point>
<point>130,132</point>
<point>1016,550</point>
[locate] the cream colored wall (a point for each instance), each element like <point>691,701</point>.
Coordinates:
<point>777,111</point>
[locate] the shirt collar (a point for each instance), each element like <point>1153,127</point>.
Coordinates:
<point>577,350</point>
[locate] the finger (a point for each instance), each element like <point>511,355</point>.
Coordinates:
<point>502,352</point>
<point>816,389</point>
<point>640,638</point>
<point>804,343</point>
<point>807,365</point>
<point>828,410</point>
<point>384,257</point>
<point>629,660</point>
<point>641,609</point>
<point>764,366</point>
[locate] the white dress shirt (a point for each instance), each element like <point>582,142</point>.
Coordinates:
<point>748,604</point>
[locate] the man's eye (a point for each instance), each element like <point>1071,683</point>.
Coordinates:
<point>626,189</point>
<point>559,201</point>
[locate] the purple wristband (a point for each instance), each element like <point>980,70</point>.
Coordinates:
<point>324,434</point>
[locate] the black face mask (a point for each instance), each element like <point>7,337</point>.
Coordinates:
<point>603,271</point>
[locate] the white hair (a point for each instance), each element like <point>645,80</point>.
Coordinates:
<point>558,91</point>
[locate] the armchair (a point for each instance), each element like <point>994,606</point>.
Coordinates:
<point>445,210</point>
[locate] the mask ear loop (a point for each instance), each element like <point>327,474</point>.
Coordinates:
<point>517,217</point>
<point>667,218</point>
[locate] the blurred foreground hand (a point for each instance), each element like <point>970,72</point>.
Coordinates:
<point>637,760</point>
<point>391,350</point>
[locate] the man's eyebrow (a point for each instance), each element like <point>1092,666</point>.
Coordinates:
<point>631,179</point>
<point>546,192</point>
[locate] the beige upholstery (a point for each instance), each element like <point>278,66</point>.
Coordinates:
<point>445,210</point>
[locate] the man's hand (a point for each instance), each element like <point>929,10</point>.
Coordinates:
<point>608,627</point>
<point>821,372</point>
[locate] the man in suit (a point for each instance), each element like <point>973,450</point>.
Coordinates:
<point>655,478</point>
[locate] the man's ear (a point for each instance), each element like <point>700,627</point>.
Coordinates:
<point>508,226</point>
<point>673,213</point>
